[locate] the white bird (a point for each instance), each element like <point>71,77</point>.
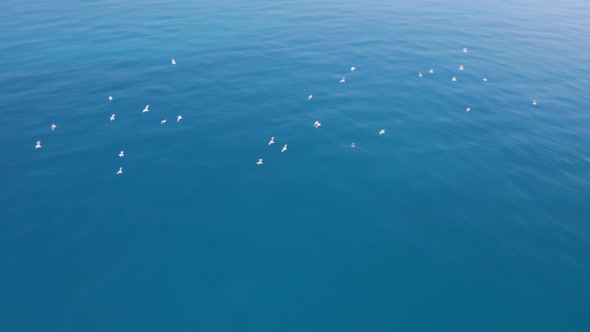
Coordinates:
<point>420,74</point>
<point>272,141</point>
<point>352,68</point>
<point>113,117</point>
<point>38,145</point>
<point>179,118</point>
<point>317,124</point>
<point>146,109</point>
<point>465,50</point>
<point>53,126</point>
<point>163,121</point>
<point>352,145</point>
<point>382,131</point>
<point>120,171</point>
<point>431,71</point>
<point>173,61</point>
<point>284,148</point>
<point>468,109</point>
<point>535,102</point>
<point>485,79</point>
<point>454,79</point>
<point>343,79</point>
<point>310,96</point>
<point>461,67</point>
<point>259,162</point>
<point>122,154</point>
<point>110,98</point>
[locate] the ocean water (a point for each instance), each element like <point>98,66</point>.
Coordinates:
<point>451,221</point>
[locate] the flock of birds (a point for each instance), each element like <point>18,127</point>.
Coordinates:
<point>316,124</point>
<point>112,118</point>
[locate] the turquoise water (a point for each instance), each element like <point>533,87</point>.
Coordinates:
<point>451,221</point>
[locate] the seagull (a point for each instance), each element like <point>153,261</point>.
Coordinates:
<point>110,98</point>
<point>465,50</point>
<point>113,117</point>
<point>485,79</point>
<point>310,96</point>
<point>382,131</point>
<point>284,148</point>
<point>122,154</point>
<point>317,124</point>
<point>352,145</point>
<point>272,141</point>
<point>259,162</point>
<point>38,146</point>
<point>420,74</point>
<point>343,79</point>
<point>53,126</point>
<point>173,61</point>
<point>179,118</point>
<point>431,71</point>
<point>454,79</point>
<point>163,121</point>
<point>468,109</point>
<point>535,102</point>
<point>120,171</point>
<point>352,68</point>
<point>461,67</point>
<point>146,109</point>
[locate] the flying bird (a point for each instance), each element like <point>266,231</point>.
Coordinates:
<point>259,162</point>
<point>53,126</point>
<point>146,109</point>
<point>382,131</point>
<point>461,67</point>
<point>535,102</point>
<point>120,171</point>
<point>454,79</point>
<point>122,154</point>
<point>38,145</point>
<point>352,145</point>
<point>317,124</point>
<point>163,121</point>
<point>310,96</point>
<point>468,109</point>
<point>284,148</point>
<point>272,141</point>
<point>420,74</point>
<point>113,117</point>
<point>179,118</point>
<point>343,79</point>
<point>352,68</point>
<point>110,98</point>
<point>431,71</point>
<point>485,79</point>
<point>173,61</point>
<point>465,50</point>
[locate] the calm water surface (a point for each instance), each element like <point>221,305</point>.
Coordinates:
<point>451,221</point>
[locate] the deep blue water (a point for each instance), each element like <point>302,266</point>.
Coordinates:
<point>451,221</point>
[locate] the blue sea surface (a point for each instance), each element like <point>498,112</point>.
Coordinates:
<point>450,221</point>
